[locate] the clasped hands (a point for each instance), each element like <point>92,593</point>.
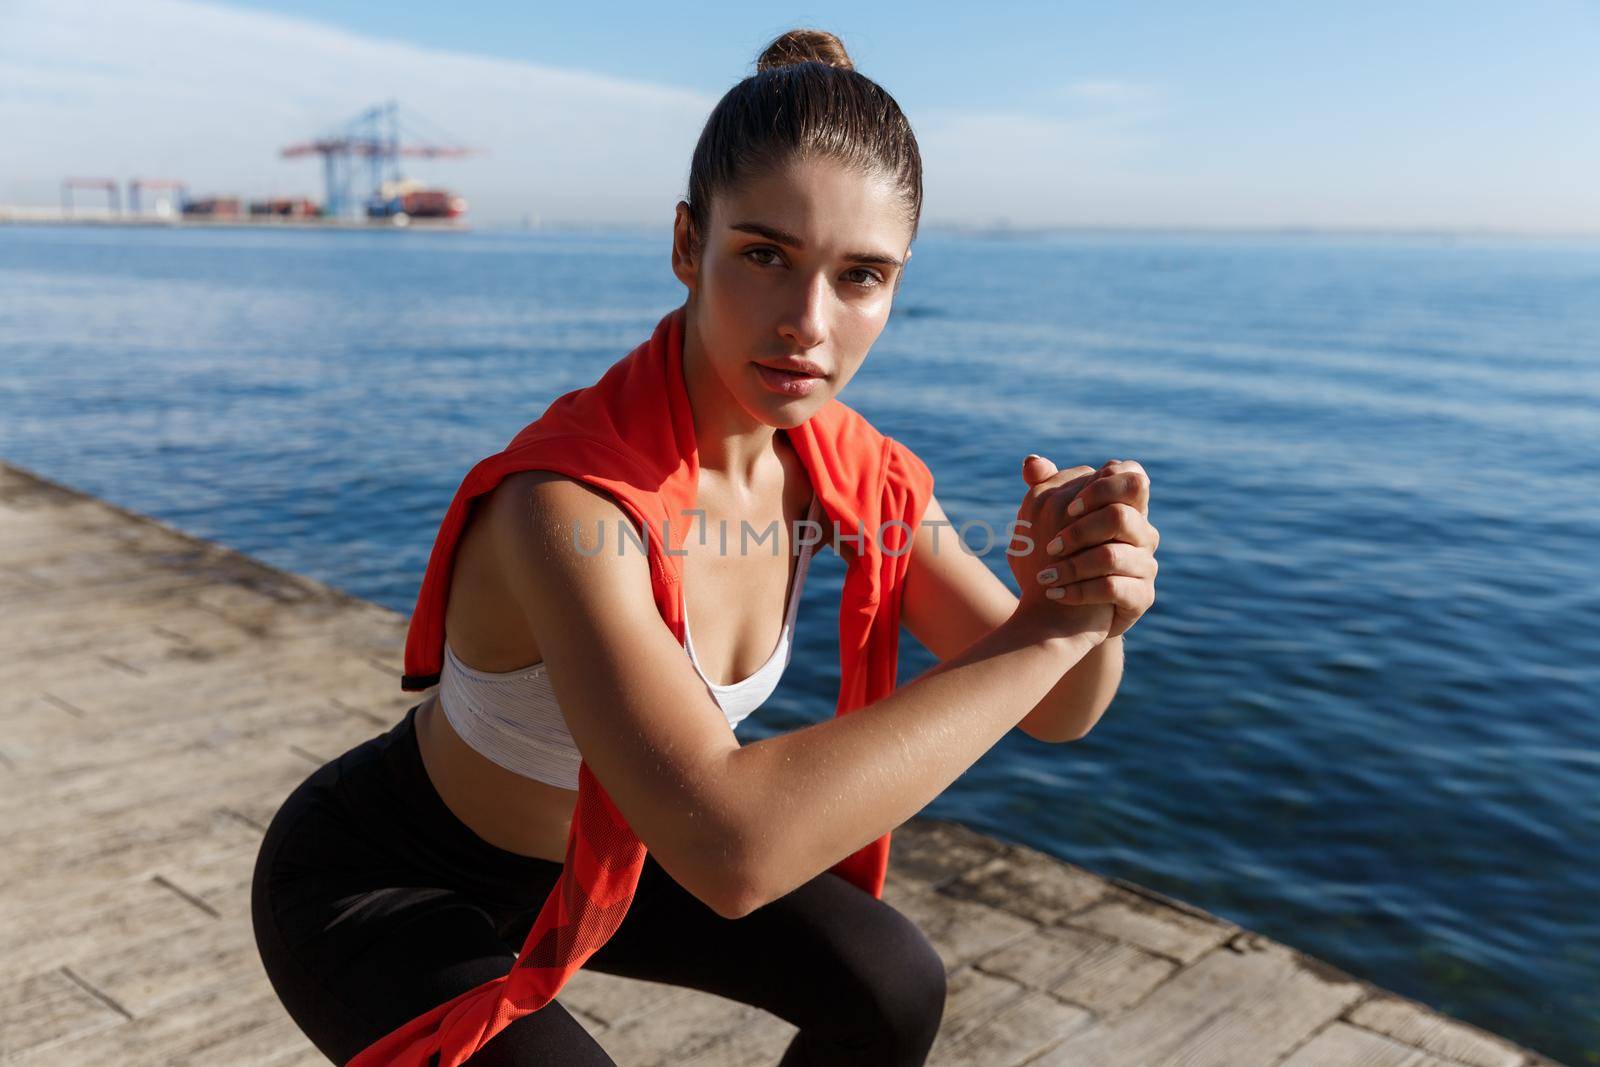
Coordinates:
<point>1101,547</point>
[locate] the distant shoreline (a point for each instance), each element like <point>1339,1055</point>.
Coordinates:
<point>38,216</point>
<point>1005,231</point>
<point>1263,231</point>
<point>34,216</point>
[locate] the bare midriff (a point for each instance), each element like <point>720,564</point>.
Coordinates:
<point>488,631</point>
<point>506,809</point>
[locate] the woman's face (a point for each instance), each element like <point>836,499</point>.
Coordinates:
<point>799,264</point>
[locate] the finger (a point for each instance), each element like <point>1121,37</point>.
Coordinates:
<point>1118,479</point>
<point>1097,561</point>
<point>1036,468</point>
<point>1116,521</point>
<point>1110,589</point>
<point>1122,480</point>
<point>1052,509</point>
<point>1069,481</point>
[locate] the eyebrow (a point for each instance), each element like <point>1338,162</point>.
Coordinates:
<point>784,237</point>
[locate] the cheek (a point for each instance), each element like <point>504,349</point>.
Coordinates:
<point>729,282</point>
<point>737,307</point>
<point>851,373</point>
<point>860,327</point>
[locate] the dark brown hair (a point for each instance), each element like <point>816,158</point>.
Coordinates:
<point>805,100</point>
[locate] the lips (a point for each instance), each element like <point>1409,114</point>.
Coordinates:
<point>806,367</point>
<point>788,383</point>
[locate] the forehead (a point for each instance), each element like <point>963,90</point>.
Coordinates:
<point>821,201</point>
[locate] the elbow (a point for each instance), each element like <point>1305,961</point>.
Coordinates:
<point>743,889</point>
<point>1080,732</point>
<point>733,895</point>
<point>720,886</point>
<point>741,865</point>
<point>719,873</point>
<point>737,904</point>
<point>734,868</point>
<point>746,881</point>
<point>1055,737</point>
<point>1082,728</point>
<point>1060,733</point>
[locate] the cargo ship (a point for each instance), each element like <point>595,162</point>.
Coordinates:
<point>410,199</point>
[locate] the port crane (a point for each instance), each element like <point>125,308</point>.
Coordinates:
<point>139,185</point>
<point>107,185</point>
<point>372,141</point>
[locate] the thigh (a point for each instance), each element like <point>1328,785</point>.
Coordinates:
<point>822,955</point>
<point>439,950</point>
<point>358,946</point>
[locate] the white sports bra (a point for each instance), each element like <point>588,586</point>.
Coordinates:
<point>513,719</point>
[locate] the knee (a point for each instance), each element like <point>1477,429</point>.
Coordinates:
<point>907,996</point>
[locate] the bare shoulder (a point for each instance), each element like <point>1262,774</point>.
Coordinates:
<point>548,498</point>
<point>545,519</point>
<point>544,531</point>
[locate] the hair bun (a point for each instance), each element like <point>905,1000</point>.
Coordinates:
<point>804,46</point>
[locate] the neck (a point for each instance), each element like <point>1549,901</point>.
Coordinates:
<point>738,451</point>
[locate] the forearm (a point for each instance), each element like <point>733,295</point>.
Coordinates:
<point>813,796</point>
<point>1075,703</point>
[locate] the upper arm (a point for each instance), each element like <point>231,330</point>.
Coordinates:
<point>640,715</point>
<point>951,597</point>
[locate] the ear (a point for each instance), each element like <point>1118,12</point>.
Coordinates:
<point>684,264</point>
<point>900,275</point>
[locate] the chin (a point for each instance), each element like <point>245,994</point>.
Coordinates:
<point>796,420</point>
<point>794,412</point>
<point>783,414</point>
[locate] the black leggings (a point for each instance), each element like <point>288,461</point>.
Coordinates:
<point>372,903</point>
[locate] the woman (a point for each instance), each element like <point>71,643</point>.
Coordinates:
<point>410,870</point>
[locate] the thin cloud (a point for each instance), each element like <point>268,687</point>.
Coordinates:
<point>1109,92</point>
<point>209,94</point>
<point>1031,169</point>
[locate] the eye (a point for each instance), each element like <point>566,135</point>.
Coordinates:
<point>869,279</point>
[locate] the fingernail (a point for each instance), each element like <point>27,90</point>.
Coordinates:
<point>1076,507</point>
<point>1054,546</point>
<point>1055,592</point>
<point>1047,575</point>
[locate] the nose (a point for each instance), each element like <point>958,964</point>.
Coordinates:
<point>804,321</point>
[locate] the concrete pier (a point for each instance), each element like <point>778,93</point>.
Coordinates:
<point>160,695</point>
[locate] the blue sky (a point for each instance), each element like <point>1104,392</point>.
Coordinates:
<point>1417,115</point>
